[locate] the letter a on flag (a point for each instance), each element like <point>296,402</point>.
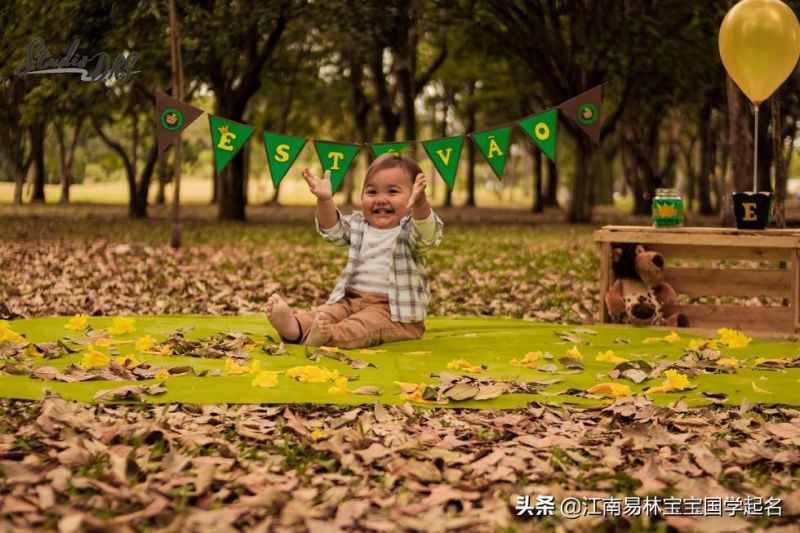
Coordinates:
<point>282,150</point>
<point>584,110</point>
<point>172,117</point>
<point>336,157</point>
<point>541,129</point>
<point>227,138</point>
<point>445,154</point>
<point>493,144</point>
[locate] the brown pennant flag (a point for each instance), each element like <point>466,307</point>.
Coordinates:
<point>584,110</point>
<point>172,117</point>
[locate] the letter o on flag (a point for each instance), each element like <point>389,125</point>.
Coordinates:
<point>541,131</point>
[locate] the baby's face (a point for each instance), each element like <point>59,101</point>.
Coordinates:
<point>385,197</point>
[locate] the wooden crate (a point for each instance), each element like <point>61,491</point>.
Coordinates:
<point>781,248</point>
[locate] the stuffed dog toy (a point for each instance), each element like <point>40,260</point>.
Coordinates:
<point>639,296</point>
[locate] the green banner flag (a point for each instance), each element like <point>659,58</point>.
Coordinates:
<point>541,129</point>
<point>584,111</point>
<point>382,148</point>
<point>336,157</point>
<point>282,150</point>
<point>227,138</point>
<point>445,154</point>
<point>493,144</point>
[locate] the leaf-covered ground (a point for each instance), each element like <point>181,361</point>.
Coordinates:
<point>75,466</point>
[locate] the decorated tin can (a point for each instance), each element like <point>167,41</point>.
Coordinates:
<point>667,209</point>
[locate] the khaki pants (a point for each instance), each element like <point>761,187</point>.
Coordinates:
<point>359,320</point>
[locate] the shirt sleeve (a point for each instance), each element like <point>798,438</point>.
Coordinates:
<point>425,234</point>
<point>338,234</point>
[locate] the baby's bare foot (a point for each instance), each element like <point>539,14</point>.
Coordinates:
<point>280,316</point>
<point>320,332</point>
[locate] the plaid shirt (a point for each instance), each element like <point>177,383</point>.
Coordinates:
<point>409,291</point>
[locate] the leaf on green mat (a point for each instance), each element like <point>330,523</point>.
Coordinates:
<point>621,340</point>
<point>461,391</point>
<point>571,363</point>
<point>490,391</point>
<point>367,390</point>
<point>586,331</point>
<point>134,393</point>
<point>548,368</point>
<point>358,364</point>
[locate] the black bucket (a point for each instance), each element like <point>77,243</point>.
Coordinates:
<point>752,209</point>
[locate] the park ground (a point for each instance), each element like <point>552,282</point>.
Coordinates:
<point>73,466</point>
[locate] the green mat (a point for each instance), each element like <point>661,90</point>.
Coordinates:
<point>492,342</point>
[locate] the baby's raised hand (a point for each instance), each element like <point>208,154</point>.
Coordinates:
<point>418,192</point>
<point>321,188</point>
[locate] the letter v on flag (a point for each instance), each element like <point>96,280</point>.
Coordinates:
<point>282,151</point>
<point>445,154</point>
<point>541,129</point>
<point>227,138</point>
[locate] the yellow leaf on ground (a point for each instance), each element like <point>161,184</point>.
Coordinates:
<point>366,351</point>
<point>701,344</point>
<point>232,368</point>
<point>144,343</point>
<point>675,382</point>
<point>758,389</point>
<point>255,366</point>
<point>122,325</point>
<point>575,353</point>
<point>609,357</point>
<point>416,353</point>
<point>313,374</point>
<point>732,338</point>
<point>265,379</point>
<point>728,361</point>
<point>672,337</point>
<point>94,358</point>
<point>461,364</point>
<point>761,361</point>
<point>529,360</point>
<point>105,342</point>
<point>612,390</point>
<point>77,323</point>
<point>163,374</point>
<point>331,349</point>
<point>318,434</point>
<point>340,386</point>
<point>7,334</point>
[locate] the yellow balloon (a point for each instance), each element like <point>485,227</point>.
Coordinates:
<point>759,42</point>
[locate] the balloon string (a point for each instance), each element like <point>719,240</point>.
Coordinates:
<point>755,150</point>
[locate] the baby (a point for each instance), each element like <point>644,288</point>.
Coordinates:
<point>383,293</point>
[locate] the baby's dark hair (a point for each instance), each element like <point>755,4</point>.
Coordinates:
<point>393,160</point>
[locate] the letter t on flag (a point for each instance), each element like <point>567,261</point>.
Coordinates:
<point>584,111</point>
<point>172,117</point>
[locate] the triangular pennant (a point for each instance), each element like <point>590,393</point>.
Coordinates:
<point>493,144</point>
<point>172,117</point>
<point>336,157</point>
<point>227,138</point>
<point>282,150</point>
<point>382,148</point>
<point>584,111</point>
<point>541,129</point>
<point>445,154</point>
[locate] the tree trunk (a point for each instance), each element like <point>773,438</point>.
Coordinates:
<point>470,145</point>
<point>779,209</point>
<point>142,188</point>
<point>39,177</point>
<point>707,151</point>
<point>580,210</point>
<point>551,198</point>
<point>738,177</point>
<point>538,181</point>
